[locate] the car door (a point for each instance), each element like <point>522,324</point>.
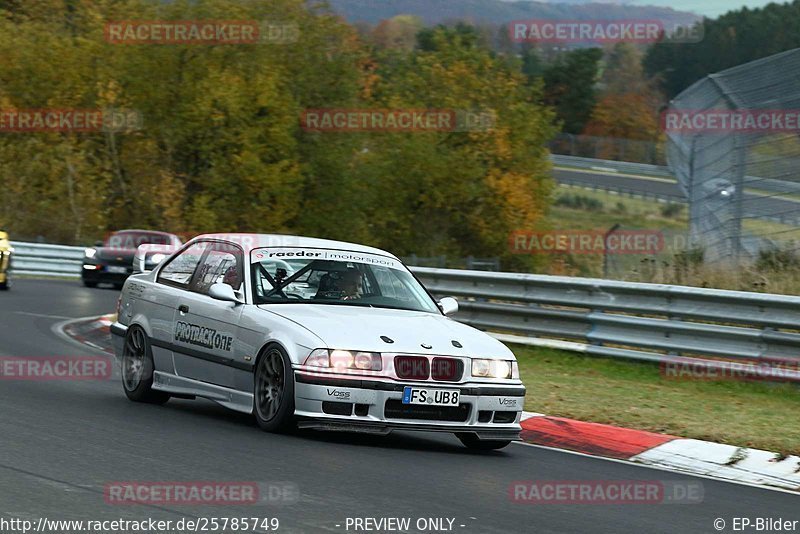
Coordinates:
<point>205,329</point>
<point>173,279</point>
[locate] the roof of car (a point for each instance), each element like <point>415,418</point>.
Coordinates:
<point>253,241</point>
<point>142,231</point>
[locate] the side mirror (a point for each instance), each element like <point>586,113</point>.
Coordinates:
<point>223,292</point>
<point>448,305</point>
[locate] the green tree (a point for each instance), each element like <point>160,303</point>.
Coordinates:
<point>731,39</point>
<point>569,86</point>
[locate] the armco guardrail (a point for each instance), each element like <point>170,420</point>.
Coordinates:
<point>47,260</point>
<point>648,322</point>
<point>625,167</point>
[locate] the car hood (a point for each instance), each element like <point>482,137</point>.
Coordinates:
<point>356,328</point>
<point>118,254</point>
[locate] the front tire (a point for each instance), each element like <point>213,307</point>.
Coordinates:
<point>138,367</point>
<point>273,391</point>
<point>472,442</point>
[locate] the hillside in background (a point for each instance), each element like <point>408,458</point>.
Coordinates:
<point>499,11</point>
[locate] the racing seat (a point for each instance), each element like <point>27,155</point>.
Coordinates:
<point>328,288</point>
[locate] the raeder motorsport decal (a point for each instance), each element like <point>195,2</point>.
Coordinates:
<point>202,336</point>
<point>325,254</point>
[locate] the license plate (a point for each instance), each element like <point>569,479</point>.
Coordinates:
<point>431,397</point>
<point>114,269</point>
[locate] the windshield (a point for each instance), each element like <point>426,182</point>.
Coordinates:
<point>336,277</point>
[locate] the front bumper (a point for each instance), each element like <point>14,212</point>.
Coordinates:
<point>99,273</point>
<point>489,412</point>
<point>5,263</point>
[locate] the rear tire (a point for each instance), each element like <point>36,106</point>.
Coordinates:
<point>471,442</point>
<point>273,391</point>
<point>89,284</point>
<point>138,367</point>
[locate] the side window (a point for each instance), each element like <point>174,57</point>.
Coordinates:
<point>221,265</point>
<point>178,272</point>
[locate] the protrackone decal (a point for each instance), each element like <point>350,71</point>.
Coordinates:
<point>202,336</point>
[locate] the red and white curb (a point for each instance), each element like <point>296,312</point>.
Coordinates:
<point>691,456</point>
<point>90,331</point>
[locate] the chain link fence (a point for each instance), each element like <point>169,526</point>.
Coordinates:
<point>733,145</point>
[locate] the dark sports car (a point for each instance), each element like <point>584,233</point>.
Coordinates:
<point>111,261</point>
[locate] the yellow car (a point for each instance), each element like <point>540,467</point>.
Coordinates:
<point>5,261</point>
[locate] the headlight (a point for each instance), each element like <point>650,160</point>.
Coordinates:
<point>157,258</point>
<point>90,252</point>
<point>342,360</point>
<point>493,368</point>
<point>318,358</point>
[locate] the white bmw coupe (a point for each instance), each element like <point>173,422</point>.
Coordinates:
<point>311,333</point>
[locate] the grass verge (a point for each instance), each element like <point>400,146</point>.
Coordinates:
<point>635,395</point>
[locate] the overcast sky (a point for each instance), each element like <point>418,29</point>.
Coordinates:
<point>708,8</point>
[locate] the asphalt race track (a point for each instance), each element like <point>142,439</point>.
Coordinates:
<point>627,183</point>
<point>62,442</point>
<point>754,205</point>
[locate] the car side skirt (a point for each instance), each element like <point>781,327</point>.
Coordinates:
<point>239,401</point>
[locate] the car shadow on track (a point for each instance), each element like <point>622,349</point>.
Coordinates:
<point>401,440</point>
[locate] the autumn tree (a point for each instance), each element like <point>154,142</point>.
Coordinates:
<point>397,33</point>
<point>461,192</point>
<point>628,107</point>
